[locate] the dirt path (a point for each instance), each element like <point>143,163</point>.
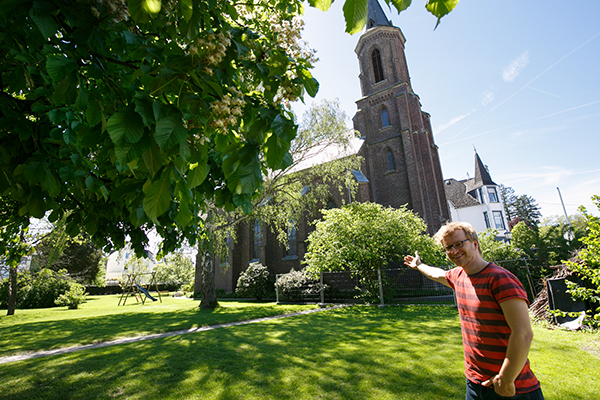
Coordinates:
<point>65,350</point>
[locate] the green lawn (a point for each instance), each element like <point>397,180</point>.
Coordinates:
<point>359,352</point>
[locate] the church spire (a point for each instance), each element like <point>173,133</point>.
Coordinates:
<point>376,16</point>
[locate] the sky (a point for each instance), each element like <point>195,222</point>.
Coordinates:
<point>519,81</point>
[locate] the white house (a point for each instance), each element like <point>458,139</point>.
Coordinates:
<point>115,264</point>
<point>477,201</point>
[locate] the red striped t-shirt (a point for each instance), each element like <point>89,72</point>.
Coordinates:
<point>484,329</point>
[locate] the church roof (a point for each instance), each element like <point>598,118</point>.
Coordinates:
<point>457,194</point>
<point>376,16</point>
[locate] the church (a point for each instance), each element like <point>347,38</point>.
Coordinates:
<point>401,161</point>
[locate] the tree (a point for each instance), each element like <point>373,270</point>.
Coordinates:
<point>299,190</point>
<point>57,250</point>
<point>494,250</point>
<point>365,237</point>
<point>176,269</point>
<point>355,11</point>
<point>133,116</point>
<point>588,267</point>
<point>520,207</point>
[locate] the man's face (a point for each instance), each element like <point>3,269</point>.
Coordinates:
<point>466,252</point>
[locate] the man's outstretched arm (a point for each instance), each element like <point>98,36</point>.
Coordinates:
<point>433,273</point>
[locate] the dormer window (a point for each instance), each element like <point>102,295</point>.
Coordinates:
<point>377,67</point>
<point>493,195</point>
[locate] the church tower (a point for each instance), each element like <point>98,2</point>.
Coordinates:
<point>401,159</point>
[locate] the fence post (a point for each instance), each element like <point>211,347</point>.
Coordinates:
<point>382,304</point>
<point>277,289</point>
<point>529,278</point>
<point>322,290</point>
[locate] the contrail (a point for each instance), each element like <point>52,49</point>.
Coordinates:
<point>524,86</point>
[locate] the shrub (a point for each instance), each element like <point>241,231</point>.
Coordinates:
<point>297,285</point>
<point>38,290</point>
<point>254,282</point>
<point>73,297</point>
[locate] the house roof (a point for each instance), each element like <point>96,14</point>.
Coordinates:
<point>457,194</point>
<point>376,16</point>
<point>482,176</point>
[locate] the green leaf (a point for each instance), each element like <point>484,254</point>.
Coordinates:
<point>310,83</point>
<point>93,115</point>
<point>45,23</point>
<point>197,173</point>
<point>170,131</point>
<point>82,101</point>
<point>34,172</point>
<point>145,109</point>
<point>157,197</point>
<point>187,9</point>
<point>143,10</point>
<point>65,92</point>
<point>153,159</point>
<point>439,8</point>
<point>400,5</point>
<point>355,14</point>
<point>58,67</point>
<point>322,5</point>
<point>125,125</point>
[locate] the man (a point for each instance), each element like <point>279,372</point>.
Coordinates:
<point>494,317</point>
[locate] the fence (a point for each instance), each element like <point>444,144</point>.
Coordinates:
<point>386,286</point>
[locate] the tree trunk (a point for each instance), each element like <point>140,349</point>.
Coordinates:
<point>209,295</point>
<point>204,281</point>
<point>12,288</point>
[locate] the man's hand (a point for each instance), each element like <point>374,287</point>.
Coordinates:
<point>412,262</point>
<point>504,389</point>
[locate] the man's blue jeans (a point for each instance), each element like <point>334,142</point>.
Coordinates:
<point>478,392</point>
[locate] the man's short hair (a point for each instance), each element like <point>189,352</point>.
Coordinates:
<point>451,227</point>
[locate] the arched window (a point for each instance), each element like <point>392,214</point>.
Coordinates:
<point>257,239</point>
<point>391,164</point>
<point>377,67</point>
<point>292,242</point>
<point>385,121</point>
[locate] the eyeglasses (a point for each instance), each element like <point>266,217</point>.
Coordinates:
<point>457,245</point>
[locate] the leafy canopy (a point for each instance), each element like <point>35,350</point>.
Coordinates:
<point>367,236</point>
<point>588,268</point>
<point>134,114</point>
<point>355,11</point>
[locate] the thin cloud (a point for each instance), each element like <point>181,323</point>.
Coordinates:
<point>511,72</point>
<point>487,97</point>
<point>450,123</point>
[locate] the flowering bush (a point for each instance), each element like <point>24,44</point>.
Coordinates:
<point>296,285</point>
<point>255,282</point>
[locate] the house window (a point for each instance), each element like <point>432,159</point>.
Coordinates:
<point>257,237</point>
<point>391,164</point>
<point>377,67</point>
<point>480,194</point>
<point>498,220</point>
<point>486,217</point>
<point>384,118</point>
<point>493,195</point>
<point>292,244</point>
